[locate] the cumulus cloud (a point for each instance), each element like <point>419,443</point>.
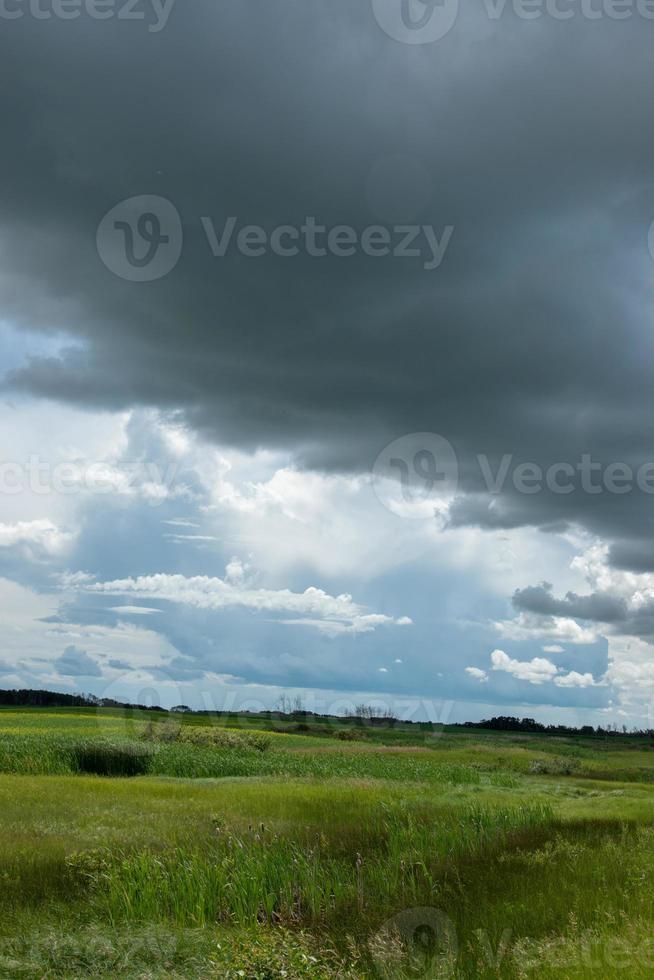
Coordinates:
<point>539,670</point>
<point>314,607</point>
<point>598,606</point>
<point>575,679</point>
<point>631,675</point>
<point>535,671</point>
<point>478,674</point>
<point>42,534</point>
<point>528,626</point>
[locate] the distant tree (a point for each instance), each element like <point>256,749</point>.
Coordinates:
<point>284,704</point>
<point>44,699</point>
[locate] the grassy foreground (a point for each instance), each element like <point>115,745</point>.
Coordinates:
<point>265,855</point>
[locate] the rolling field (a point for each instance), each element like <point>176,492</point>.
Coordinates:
<point>136,847</point>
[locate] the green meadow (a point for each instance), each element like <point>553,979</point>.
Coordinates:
<point>138,846</point>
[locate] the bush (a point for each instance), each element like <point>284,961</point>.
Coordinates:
<point>104,759</point>
<point>219,738</point>
<point>307,728</point>
<point>350,735</point>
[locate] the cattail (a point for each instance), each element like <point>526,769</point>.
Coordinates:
<point>359,865</point>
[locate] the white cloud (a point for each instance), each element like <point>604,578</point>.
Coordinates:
<point>631,673</point>
<point>601,577</point>
<point>313,607</point>
<point>190,538</point>
<point>539,671</point>
<point>239,572</point>
<point>479,675</point>
<point>335,627</point>
<point>530,626</point>
<point>552,648</point>
<point>134,610</point>
<point>42,534</point>
<point>535,671</point>
<point>574,679</point>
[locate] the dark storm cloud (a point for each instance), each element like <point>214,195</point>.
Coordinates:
<point>637,555</point>
<point>608,610</point>
<point>532,139</point>
<point>599,606</point>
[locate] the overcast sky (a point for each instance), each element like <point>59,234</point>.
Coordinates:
<point>326,342</point>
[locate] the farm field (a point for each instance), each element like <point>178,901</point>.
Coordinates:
<point>136,846</point>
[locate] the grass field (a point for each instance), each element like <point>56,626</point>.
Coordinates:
<point>134,847</point>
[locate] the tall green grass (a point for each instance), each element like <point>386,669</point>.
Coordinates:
<point>261,876</point>
<point>221,755</point>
